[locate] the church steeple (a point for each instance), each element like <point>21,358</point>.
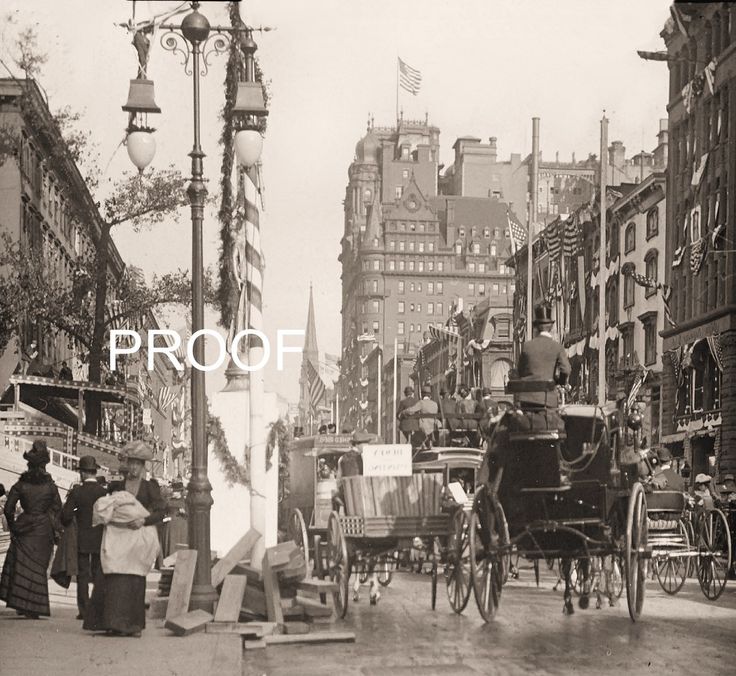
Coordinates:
<point>311,350</point>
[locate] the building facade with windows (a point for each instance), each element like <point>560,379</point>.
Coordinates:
<point>410,256</point>
<point>699,392</point>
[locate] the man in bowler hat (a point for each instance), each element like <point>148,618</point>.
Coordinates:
<point>407,425</point>
<point>78,505</point>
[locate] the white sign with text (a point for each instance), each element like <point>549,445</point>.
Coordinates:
<point>387,460</point>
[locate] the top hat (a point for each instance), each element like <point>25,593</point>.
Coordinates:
<point>361,437</point>
<point>87,463</point>
<point>408,389</point>
<point>426,391</point>
<point>39,453</point>
<point>543,315</point>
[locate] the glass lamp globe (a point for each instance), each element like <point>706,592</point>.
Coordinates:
<point>141,146</point>
<point>248,146</point>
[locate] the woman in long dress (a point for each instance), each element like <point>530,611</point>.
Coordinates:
<point>118,600</point>
<point>24,583</point>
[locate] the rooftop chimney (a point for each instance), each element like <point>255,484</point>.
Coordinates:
<point>616,154</point>
<point>492,146</point>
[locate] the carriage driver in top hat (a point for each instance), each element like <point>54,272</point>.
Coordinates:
<point>543,358</point>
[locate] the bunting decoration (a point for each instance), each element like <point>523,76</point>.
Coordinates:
<point>572,235</point>
<point>166,397</point>
<point>678,256</point>
<point>552,238</point>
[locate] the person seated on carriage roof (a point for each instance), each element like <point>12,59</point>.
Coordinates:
<point>426,411</point>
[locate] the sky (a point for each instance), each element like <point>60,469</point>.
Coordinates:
<point>488,67</point>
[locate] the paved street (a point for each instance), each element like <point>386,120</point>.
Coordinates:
<point>530,635</point>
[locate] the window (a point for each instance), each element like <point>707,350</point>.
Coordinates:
<point>405,173</point>
<point>481,267</point>
<point>420,247</point>
<point>392,245</point>
<point>650,341</point>
<point>376,327</point>
<point>503,329</point>
<point>401,286</point>
<point>512,287</point>
<point>630,237</point>
<point>507,233</point>
<point>401,307</point>
<point>420,266</point>
<point>402,265</point>
<point>487,233</point>
<point>471,288</point>
<point>496,233</point>
<point>629,288</point>
<point>628,344</point>
<point>650,260</point>
<point>419,287</point>
<point>430,266</point>
<point>481,289</point>
<point>398,192</point>
<point>430,308</point>
<point>493,249</point>
<point>440,266</point>
<point>430,288</point>
<point>419,307</point>
<point>461,232</point>
<point>495,289</point>
<point>375,286</point>
<point>421,227</point>
<point>430,246</point>
<point>652,222</point>
<point>419,328</point>
<point>440,309</point>
<point>411,246</point>
<point>376,306</point>
<point>411,266</point>
<point>401,328</point>
<point>401,245</point>
<point>376,265</point>
<point>502,268</point>
<point>504,290</point>
<point>476,248</point>
<point>411,287</point>
<point>471,267</point>
<point>392,265</point>
<point>439,287</point>
<point>411,328</point>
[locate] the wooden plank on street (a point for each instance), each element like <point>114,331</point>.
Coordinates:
<point>239,552</point>
<point>250,629</point>
<point>271,591</point>
<point>188,623</point>
<point>231,598</point>
<point>317,586</point>
<point>296,628</point>
<point>314,637</point>
<point>254,644</point>
<point>181,583</point>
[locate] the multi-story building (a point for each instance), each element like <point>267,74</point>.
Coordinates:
<point>567,275</point>
<point>699,392</point>
<point>409,256</point>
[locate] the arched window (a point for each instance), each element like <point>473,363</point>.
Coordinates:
<point>629,285</point>
<point>652,222</point>
<point>630,237</point>
<point>650,261</point>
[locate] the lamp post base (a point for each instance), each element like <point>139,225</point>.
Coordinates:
<point>203,597</point>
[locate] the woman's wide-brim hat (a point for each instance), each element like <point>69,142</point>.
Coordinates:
<point>38,454</point>
<point>137,450</point>
<point>543,315</point>
<point>702,479</point>
<point>362,437</point>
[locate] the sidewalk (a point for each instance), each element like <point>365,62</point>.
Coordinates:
<point>57,646</point>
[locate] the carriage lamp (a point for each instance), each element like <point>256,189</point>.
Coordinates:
<point>250,107</point>
<point>139,140</point>
<point>634,419</point>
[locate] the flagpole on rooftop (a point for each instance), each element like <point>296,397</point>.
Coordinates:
<point>601,268</point>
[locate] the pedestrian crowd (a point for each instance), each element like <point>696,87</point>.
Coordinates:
<point>107,535</point>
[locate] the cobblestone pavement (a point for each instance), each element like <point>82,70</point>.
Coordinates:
<point>676,635</point>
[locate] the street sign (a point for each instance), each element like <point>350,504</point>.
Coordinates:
<point>387,460</point>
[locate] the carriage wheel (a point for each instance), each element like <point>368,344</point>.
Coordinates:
<point>691,563</point>
<point>385,574</point>
<point>671,572</point>
<point>457,566</point>
<point>635,564</point>
<point>714,553</point>
<point>536,571</point>
<point>298,533</point>
<point>338,566</point>
<point>486,566</point>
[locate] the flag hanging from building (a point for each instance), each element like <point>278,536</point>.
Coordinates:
<point>410,79</point>
<point>552,238</point>
<point>517,232</point>
<point>571,237</point>
<point>638,382</point>
<point>698,249</point>
<point>166,397</point>
<point>315,384</point>
<point>666,294</point>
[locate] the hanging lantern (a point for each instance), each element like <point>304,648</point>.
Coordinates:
<point>141,146</point>
<point>140,98</point>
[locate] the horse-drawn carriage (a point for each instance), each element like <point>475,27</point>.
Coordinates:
<point>558,494</point>
<point>381,515</point>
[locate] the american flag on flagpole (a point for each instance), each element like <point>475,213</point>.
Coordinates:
<point>552,239</point>
<point>638,382</point>
<point>410,79</point>
<point>315,385</point>
<point>166,397</point>
<point>571,237</point>
<point>517,232</point>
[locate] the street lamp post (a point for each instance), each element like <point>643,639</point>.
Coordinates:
<point>196,32</point>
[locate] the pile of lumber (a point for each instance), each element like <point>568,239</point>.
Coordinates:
<point>416,495</point>
<point>274,604</point>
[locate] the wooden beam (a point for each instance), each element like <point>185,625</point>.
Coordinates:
<point>271,590</point>
<point>315,637</point>
<point>231,598</point>
<point>181,583</point>
<point>189,623</point>
<point>240,551</point>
